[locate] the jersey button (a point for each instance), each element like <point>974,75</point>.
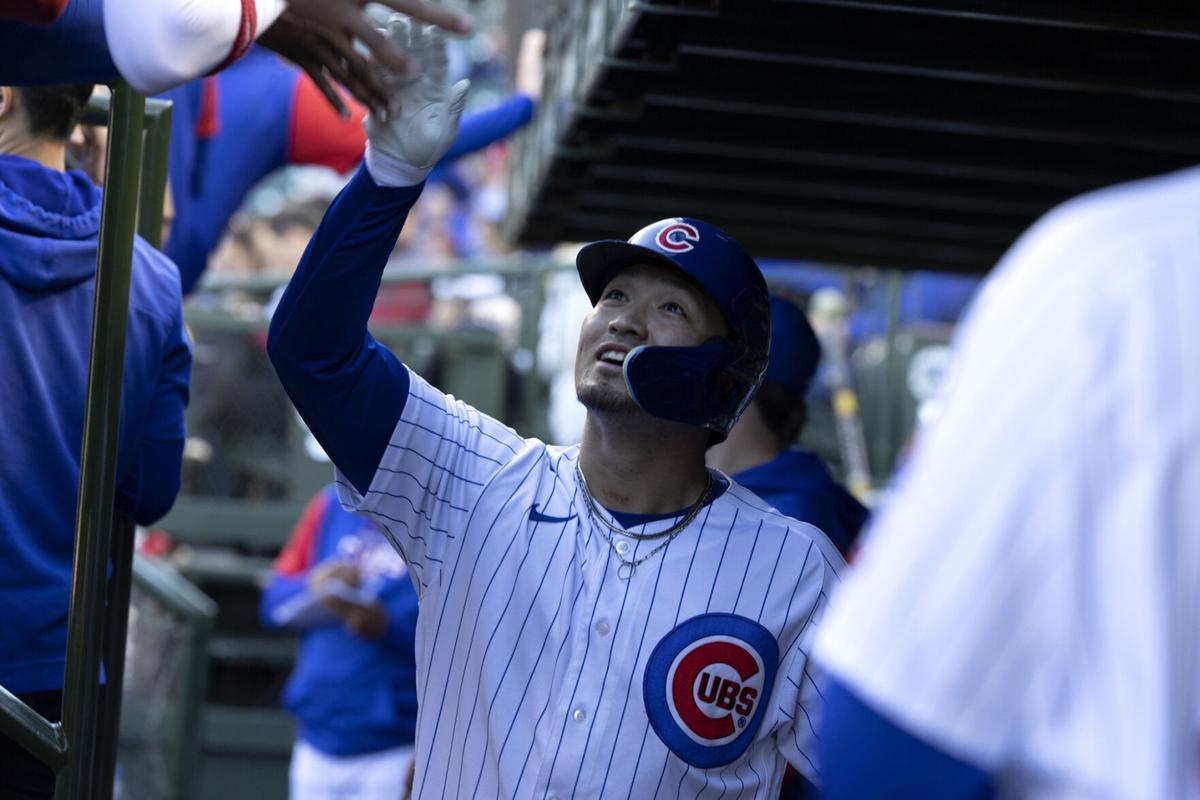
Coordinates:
<point>602,627</point>
<point>579,715</point>
<point>622,547</point>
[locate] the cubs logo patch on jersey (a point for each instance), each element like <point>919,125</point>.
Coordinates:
<point>707,684</point>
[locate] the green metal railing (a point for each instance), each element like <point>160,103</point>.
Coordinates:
<point>193,615</point>
<point>81,749</point>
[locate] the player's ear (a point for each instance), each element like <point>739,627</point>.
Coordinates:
<point>8,102</point>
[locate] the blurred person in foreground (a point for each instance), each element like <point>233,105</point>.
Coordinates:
<point>49,223</point>
<point>1024,617</point>
<point>342,586</point>
<point>760,452</point>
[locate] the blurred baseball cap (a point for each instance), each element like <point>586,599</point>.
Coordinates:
<point>795,350</point>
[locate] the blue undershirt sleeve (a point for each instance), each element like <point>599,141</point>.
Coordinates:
<point>349,389</point>
<point>481,129</point>
<point>864,755</point>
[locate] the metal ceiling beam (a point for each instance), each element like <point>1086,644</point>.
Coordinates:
<point>1081,16</point>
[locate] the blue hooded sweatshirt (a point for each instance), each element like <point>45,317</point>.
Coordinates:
<point>49,222</point>
<point>797,483</point>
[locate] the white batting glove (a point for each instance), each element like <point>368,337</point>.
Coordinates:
<point>423,110</point>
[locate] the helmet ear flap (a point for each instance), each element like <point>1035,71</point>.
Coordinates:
<point>689,385</point>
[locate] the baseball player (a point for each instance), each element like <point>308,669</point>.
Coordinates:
<point>1025,617</point>
<point>610,619</point>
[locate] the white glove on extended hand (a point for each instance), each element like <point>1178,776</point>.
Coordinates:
<point>423,111</point>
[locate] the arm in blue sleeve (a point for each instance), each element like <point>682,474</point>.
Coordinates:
<point>481,129</point>
<point>280,589</point>
<point>349,389</point>
<point>72,49</point>
<point>149,487</point>
<point>864,755</point>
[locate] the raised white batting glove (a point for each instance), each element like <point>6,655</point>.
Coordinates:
<point>423,111</point>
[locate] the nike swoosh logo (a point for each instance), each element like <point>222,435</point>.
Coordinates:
<point>537,516</point>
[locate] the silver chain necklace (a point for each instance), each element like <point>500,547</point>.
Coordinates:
<point>627,568</point>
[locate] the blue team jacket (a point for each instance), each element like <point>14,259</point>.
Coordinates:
<point>49,222</point>
<point>797,483</point>
<point>350,695</point>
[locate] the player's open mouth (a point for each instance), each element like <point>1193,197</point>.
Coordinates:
<point>612,355</point>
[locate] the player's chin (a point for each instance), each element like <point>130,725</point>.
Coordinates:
<point>607,396</point>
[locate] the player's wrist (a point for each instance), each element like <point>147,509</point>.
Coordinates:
<point>388,170</point>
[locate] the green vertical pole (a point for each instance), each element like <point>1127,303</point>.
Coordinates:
<point>97,475</point>
<point>154,171</point>
<point>116,625</point>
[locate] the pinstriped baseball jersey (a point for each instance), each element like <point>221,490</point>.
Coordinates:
<point>1029,601</point>
<point>542,674</point>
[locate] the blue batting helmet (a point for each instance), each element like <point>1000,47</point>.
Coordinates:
<point>712,384</point>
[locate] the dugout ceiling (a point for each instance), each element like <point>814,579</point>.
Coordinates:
<point>913,133</point>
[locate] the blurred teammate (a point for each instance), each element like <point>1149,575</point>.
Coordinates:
<point>760,453</point>
<point>1025,616</point>
<point>353,691</point>
<point>49,221</point>
<point>608,619</point>
<point>157,44</point>
<point>264,100</point>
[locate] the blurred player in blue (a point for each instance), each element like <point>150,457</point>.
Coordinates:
<point>353,692</point>
<point>49,224</point>
<point>760,452</point>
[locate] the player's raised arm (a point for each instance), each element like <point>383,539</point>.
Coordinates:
<point>413,457</point>
<point>349,389</point>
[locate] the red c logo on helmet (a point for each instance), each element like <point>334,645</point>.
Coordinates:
<point>713,688</point>
<point>677,237</point>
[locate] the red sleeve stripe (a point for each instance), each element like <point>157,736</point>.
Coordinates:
<point>38,12</point>
<point>247,33</point>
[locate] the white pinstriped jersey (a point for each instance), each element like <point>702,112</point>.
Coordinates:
<point>1030,599</point>
<point>541,674</point>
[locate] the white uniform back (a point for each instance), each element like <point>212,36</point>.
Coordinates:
<point>532,656</point>
<point>1030,599</point>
